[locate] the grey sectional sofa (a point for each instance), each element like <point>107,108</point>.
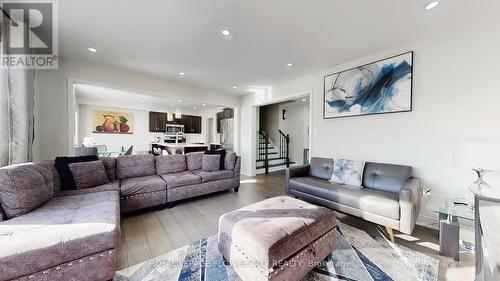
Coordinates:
<point>47,233</point>
<point>389,195</point>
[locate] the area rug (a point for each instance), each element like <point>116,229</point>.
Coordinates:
<point>358,256</point>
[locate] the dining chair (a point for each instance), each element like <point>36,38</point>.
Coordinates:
<point>86,151</point>
<point>129,150</point>
<point>102,149</point>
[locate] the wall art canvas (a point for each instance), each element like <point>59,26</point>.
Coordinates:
<point>380,87</point>
<point>106,122</point>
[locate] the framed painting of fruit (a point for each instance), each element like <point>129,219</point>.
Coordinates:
<point>106,122</point>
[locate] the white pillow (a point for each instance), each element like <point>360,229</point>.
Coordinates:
<point>347,172</point>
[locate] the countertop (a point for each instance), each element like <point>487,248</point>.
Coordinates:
<point>180,145</point>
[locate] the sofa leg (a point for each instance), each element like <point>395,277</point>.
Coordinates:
<point>170,205</point>
<point>390,233</point>
<point>226,262</point>
<point>236,189</point>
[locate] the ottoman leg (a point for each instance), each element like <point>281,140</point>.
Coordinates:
<point>170,205</point>
<point>236,189</point>
<point>226,262</point>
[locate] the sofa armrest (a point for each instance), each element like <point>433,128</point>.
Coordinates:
<point>237,167</point>
<point>410,200</point>
<point>293,172</point>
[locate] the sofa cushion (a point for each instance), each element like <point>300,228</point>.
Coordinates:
<point>347,172</point>
<point>25,187</point>
<point>210,163</point>
<point>221,152</point>
<point>214,176</point>
<point>166,164</point>
<point>174,180</point>
<point>313,186</point>
<point>130,166</point>
<point>138,185</point>
<point>321,168</point>
<point>64,229</point>
<point>55,174</point>
<point>61,164</point>
<point>386,177</point>
<point>88,174</point>
<point>273,230</point>
<point>111,186</point>
<point>110,166</point>
<point>230,160</point>
<point>377,202</point>
<point>194,160</point>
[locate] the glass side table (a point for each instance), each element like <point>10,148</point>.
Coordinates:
<point>449,227</point>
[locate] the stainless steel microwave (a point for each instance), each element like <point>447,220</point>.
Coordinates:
<point>172,129</point>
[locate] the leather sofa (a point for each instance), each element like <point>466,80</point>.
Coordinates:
<point>389,196</point>
<point>47,233</point>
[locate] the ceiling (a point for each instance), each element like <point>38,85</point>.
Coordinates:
<point>165,37</point>
<point>105,96</point>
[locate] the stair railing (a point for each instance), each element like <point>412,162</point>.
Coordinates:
<point>264,149</point>
<point>284,149</point>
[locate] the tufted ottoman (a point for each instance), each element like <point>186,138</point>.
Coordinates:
<point>281,238</point>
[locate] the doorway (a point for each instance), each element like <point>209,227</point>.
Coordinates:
<point>283,137</point>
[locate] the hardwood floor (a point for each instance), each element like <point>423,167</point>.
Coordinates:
<point>154,232</point>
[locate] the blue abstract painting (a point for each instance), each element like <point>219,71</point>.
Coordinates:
<point>381,87</point>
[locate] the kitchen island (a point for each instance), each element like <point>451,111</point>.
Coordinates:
<point>180,148</point>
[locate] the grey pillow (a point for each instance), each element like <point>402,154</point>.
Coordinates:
<point>211,163</point>
<point>88,174</point>
<point>25,187</point>
<point>230,160</point>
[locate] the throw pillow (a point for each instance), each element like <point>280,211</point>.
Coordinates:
<point>221,152</point>
<point>24,187</point>
<point>211,163</point>
<point>347,172</point>
<point>61,164</point>
<point>230,160</point>
<point>89,174</point>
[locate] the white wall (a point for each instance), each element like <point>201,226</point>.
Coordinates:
<point>456,97</point>
<point>52,124</point>
<point>296,125</point>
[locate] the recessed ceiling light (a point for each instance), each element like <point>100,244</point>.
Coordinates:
<point>146,96</point>
<point>172,105</point>
<point>289,64</point>
<point>226,32</point>
<point>179,100</point>
<point>304,99</point>
<point>142,101</point>
<point>203,104</point>
<point>432,5</point>
<point>181,73</point>
<point>102,96</point>
<point>92,50</point>
<point>235,87</point>
<point>195,108</point>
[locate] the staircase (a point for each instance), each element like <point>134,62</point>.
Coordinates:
<point>270,157</point>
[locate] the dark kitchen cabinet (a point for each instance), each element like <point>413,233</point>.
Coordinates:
<point>157,122</point>
<point>227,113</point>
<point>192,124</point>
